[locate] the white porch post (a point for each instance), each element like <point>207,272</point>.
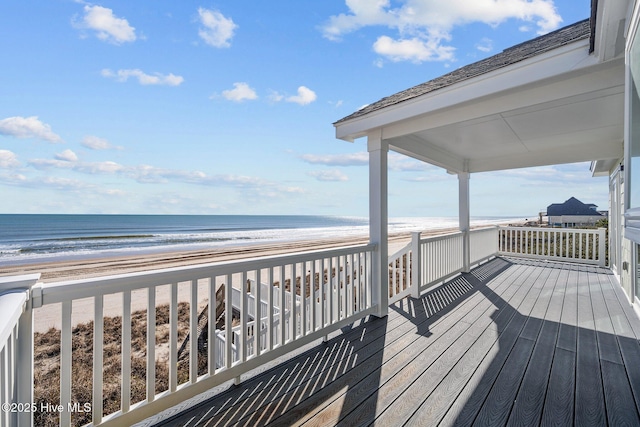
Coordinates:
<point>378,219</point>
<point>464,219</point>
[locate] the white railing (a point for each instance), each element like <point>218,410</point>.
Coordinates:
<point>400,274</point>
<point>483,244</point>
<point>16,339</point>
<point>440,258</point>
<point>269,326</point>
<point>563,244</point>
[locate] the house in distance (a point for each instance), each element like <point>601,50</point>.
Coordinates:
<point>573,213</point>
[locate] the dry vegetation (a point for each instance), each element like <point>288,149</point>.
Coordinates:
<point>47,363</point>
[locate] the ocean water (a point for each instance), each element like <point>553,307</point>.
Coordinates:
<point>40,238</point>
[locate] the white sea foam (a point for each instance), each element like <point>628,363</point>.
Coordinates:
<point>67,248</point>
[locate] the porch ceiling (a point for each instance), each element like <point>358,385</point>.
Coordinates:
<point>561,107</point>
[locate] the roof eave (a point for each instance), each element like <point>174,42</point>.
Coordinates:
<point>571,57</point>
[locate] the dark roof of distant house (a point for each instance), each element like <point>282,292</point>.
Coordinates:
<point>579,30</point>
<point>574,207</point>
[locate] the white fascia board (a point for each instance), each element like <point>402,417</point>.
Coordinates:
<point>611,24</point>
<point>565,59</point>
<point>603,167</point>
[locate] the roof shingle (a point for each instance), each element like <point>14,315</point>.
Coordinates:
<point>579,30</point>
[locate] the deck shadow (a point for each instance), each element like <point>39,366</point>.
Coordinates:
<point>525,369</point>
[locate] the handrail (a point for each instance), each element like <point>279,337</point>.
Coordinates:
<point>57,292</point>
<point>12,305</point>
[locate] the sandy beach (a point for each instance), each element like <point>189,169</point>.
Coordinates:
<point>49,315</point>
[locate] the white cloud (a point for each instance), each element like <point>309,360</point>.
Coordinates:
<point>107,167</point>
<point>350,159</point>
<point>305,96</point>
<point>216,30</point>
<point>414,50</point>
<point>424,26</point>
<point>58,183</point>
<point>275,96</point>
<point>240,92</point>
<point>96,143</point>
<point>67,156</point>
<point>107,26</point>
<point>143,78</point>
<point>399,162</point>
<point>246,187</point>
<point>329,175</point>
<point>27,127</point>
<point>8,159</point>
<point>485,45</point>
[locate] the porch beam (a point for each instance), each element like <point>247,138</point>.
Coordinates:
<point>413,146</point>
<point>464,218</point>
<point>378,219</point>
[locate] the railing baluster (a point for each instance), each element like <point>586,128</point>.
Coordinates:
<point>98,340</point>
<point>323,296</point>
<point>270,302</point>
<point>151,343</point>
<point>228,316</point>
<point>312,296</point>
<point>283,308</point>
<point>359,288</point>
<point>244,318</point>
<point>257,323</point>
<point>211,327</point>
<point>348,280</point>
<point>343,287</point>
<point>125,392</point>
<point>7,366</point>
<point>333,292</point>
<point>173,338</point>
<point>193,332</point>
<point>65,363</point>
<point>303,298</point>
<point>294,300</point>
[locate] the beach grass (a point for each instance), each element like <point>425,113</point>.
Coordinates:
<point>47,363</point>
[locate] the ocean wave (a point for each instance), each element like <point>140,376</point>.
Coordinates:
<point>72,246</point>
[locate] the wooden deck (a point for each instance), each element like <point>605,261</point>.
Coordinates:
<point>514,342</point>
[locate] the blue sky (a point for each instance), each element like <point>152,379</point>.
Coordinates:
<point>226,107</point>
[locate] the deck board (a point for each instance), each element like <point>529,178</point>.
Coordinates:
<point>514,342</point>
<point>590,408</point>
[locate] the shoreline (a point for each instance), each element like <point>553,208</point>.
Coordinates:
<point>49,316</point>
<point>56,271</point>
<point>83,268</point>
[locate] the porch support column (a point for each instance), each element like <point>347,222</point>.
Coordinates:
<point>464,219</point>
<point>378,220</point>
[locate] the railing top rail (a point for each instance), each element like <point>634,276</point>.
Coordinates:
<point>82,288</point>
<point>555,229</point>
<point>405,249</point>
<point>12,306</point>
<point>24,281</point>
<point>488,228</point>
<point>440,237</point>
